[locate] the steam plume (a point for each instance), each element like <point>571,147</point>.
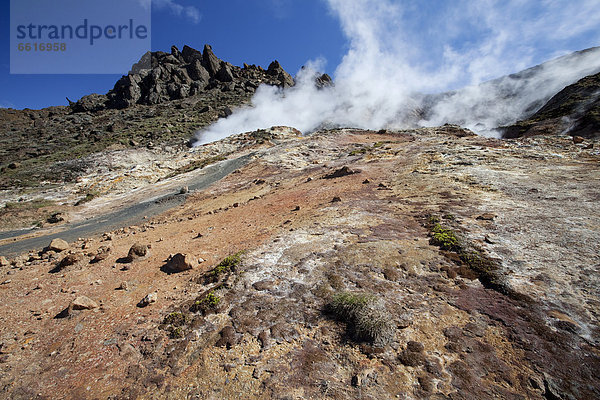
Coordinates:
<point>404,57</point>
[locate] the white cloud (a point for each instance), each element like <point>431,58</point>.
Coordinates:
<point>190,12</point>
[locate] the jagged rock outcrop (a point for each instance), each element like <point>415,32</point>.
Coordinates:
<point>323,81</point>
<point>160,77</point>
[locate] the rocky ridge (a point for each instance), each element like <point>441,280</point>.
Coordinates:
<point>161,102</point>
<point>161,77</point>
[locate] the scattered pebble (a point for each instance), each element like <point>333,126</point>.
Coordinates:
<point>149,299</point>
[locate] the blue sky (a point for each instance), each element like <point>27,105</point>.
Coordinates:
<point>255,32</point>
<point>457,42</point>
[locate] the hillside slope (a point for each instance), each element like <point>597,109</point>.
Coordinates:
<point>574,110</point>
<point>164,104</point>
<point>345,264</point>
<point>504,101</point>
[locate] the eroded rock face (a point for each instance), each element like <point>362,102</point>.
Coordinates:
<point>161,77</point>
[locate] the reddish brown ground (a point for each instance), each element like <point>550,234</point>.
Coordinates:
<point>303,247</point>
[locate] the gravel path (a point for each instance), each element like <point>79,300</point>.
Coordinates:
<point>132,215</point>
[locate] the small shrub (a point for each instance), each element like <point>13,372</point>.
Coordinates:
<point>357,152</point>
<point>465,253</point>
<point>346,305</point>
<point>175,319</point>
<point>208,303</point>
<point>444,238</point>
<point>433,219</point>
<point>228,264</point>
<point>366,317</point>
<point>212,300</point>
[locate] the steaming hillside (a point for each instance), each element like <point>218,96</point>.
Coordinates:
<point>503,101</point>
<point>425,263</point>
<point>574,110</point>
<point>373,96</point>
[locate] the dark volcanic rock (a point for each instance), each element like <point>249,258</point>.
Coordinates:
<point>574,110</point>
<point>160,77</point>
<point>277,71</point>
<point>210,61</point>
<point>323,81</point>
<point>92,102</point>
<point>341,172</point>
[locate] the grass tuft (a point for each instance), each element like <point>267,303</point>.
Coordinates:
<point>365,316</point>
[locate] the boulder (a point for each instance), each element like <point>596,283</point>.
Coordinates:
<point>285,79</point>
<point>210,61</point>
<point>56,218</point>
<point>144,63</point>
<point>136,251</point>
<point>126,92</point>
<point>70,259</point>
<point>323,81</point>
<point>169,59</point>
<point>180,262</point>
<point>4,262</point>
<point>224,74</point>
<point>90,103</point>
<point>102,254</point>
<point>176,53</point>
<point>197,72</point>
<point>191,55</point>
<point>83,303</point>
<point>344,171</point>
<point>58,245</point>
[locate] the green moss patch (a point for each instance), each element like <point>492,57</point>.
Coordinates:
<point>207,303</point>
<point>227,265</point>
<point>471,260</point>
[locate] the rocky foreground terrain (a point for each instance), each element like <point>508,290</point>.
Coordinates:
<point>345,263</point>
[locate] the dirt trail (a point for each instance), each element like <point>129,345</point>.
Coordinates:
<point>16,242</point>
